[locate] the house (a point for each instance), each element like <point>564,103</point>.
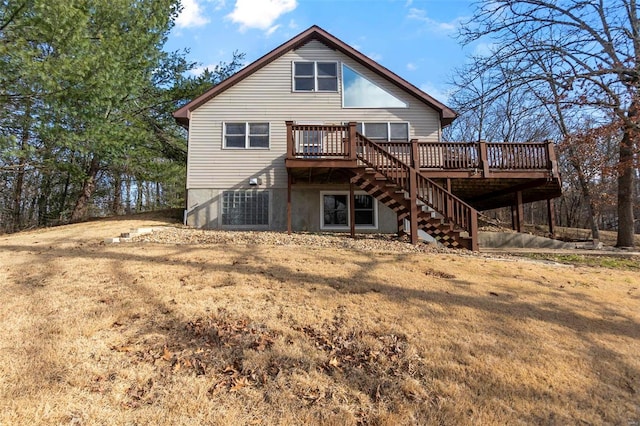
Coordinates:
<point>315,136</point>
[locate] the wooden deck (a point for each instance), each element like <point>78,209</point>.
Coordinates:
<point>453,178</point>
<point>487,175</point>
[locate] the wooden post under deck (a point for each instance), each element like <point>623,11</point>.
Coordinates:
<point>449,205</point>
<point>517,213</point>
<point>400,226</point>
<point>289,179</point>
<point>413,193</point>
<point>352,210</point>
<point>551,216</point>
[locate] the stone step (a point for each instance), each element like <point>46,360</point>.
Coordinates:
<point>129,234</point>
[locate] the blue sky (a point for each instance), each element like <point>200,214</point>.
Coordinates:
<point>413,38</point>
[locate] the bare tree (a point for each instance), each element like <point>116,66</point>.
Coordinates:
<point>593,49</point>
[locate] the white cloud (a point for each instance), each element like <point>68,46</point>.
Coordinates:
<point>435,92</point>
<point>192,15</point>
<point>484,49</point>
<point>375,56</point>
<point>432,24</point>
<point>260,14</point>
<point>199,70</point>
<point>272,29</point>
<point>411,66</point>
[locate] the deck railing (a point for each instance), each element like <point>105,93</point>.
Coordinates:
<point>405,176</point>
<point>318,141</point>
<point>307,141</point>
<point>480,155</point>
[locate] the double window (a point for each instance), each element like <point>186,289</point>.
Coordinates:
<point>315,76</point>
<point>245,207</point>
<point>335,210</point>
<point>385,132</point>
<point>246,135</point>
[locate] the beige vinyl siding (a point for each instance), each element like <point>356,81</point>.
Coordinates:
<point>267,96</point>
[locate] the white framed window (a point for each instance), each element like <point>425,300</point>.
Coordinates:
<point>334,210</point>
<point>315,76</point>
<point>385,131</point>
<point>245,207</point>
<point>245,135</point>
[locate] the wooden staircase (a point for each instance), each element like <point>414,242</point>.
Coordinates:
<point>414,197</point>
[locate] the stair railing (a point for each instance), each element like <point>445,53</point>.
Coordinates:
<point>426,190</point>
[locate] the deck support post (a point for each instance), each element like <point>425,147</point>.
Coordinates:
<point>449,205</point>
<point>517,213</point>
<point>415,156</point>
<point>552,161</point>
<point>352,141</point>
<point>400,226</point>
<point>290,148</point>
<point>289,181</point>
<point>551,216</point>
<point>484,157</point>
<point>352,210</point>
<point>473,230</point>
<point>413,196</point>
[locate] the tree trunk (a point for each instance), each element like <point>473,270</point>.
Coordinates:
<point>625,191</point>
<point>128,194</point>
<point>89,184</point>
<point>588,199</point>
<point>157,195</point>
<point>19,183</point>
<point>116,207</point>
<point>65,193</point>
<point>139,189</point>
<point>43,200</point>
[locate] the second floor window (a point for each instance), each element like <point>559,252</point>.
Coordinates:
<point>315,77</point>
<point>246,135</point>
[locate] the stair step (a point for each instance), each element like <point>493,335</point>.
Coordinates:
<point>374,182</point>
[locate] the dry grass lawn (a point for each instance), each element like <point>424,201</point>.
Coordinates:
<point>276,334</point>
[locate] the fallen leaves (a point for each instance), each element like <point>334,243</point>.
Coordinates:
<point>212,346</point>
<point>351,348</point>
<point>224,349</point>
<point>438,274</point>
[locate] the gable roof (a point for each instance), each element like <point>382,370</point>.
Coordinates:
<point>447,115</point>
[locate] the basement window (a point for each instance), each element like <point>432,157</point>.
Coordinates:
<point>245,208</point>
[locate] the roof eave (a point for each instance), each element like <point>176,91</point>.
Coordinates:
<point>447,115</point>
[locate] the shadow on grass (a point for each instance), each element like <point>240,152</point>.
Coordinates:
<point>502,314</point>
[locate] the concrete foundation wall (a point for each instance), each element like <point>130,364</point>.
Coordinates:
<point>517,240</point>
<point>204,210</point>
